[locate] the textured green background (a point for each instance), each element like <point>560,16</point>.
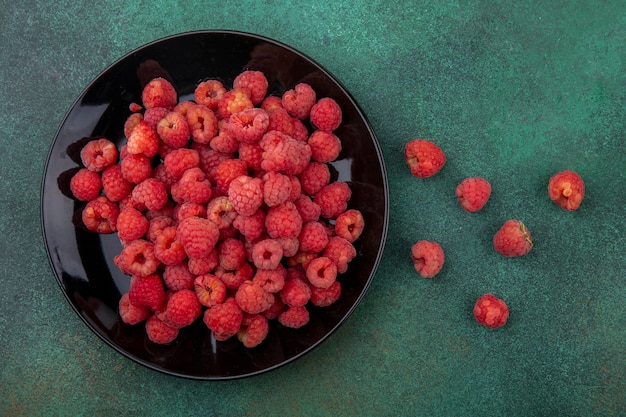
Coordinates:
<point>512,90</point>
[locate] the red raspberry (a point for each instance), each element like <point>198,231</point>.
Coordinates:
<point>209,93</point>
<point>154,115</point>
<point>326,114</point>
<point>283,154</point>
<point>132,314</point>
<point>86,185</point>
<point>198,236</point>
<point>275,309</point>
<point>249,125</point>
<point>182,309</point>
<point>131,224</point>
<point>114,185</point>
<point>349,225</point>
<point>283,221</point>
<point>253,299</point>
<point>183,106</point>
<point>147,291</point>
<point>299,100</point>
<point>296,188</point>
<point>280,120</point>
<point>323,297</point>
<point>232,254</point>
<point>136,168</point>
<point>253,81</point>
<point>100,215</point>
<point>423,158</point>
<point>159,93</point>
<point>251,154</point>
<point>200,266</point>
<point>321,272</point>
<point>193,187</point>
<point>180,160</point>
<point>267,254</point>
<point>202,123</point>
<point>168,248</point>
<point>313,237</point>
<point>178,277</point>
<point>246,194</point>
<point>160,173</point>
<point>325,146</point>
<point>227,171</point>
<point>294,317</point>
<point>152,193</point>
<point>98,154</point>
<point>156,226</point>
<point>253,330</point>
<point>290,245</point>
<point>233,279</point>
<point>314,177</point>
<point>167,210</point>
<point>300,131</point>
<point>333,199</point>
<point>340,251</point>
<point>271,280</point>
<point>224,320</point>
<point>159,332</point>
<point>234,101</point>
<point>491,311</point>
<point>225,142</point>
<point>210,290</point>
<point>428,258</point>
<point>295,292</point>
<point>173,130</point>
<point>302,259</point>
<point>189,209</point>
<point>221,212</point>
<point>144,140</point>
<point>251,227</point>
<point>309,211</point>
<point>276,188</point>
<point>473,193</point>
<point>130,123</point>
<point>270,103</point>
<point>513,239</point>
<point>566,189</point>
<point>137,258</point>
<point>210,159</point>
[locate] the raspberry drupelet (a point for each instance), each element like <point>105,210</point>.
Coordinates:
<point>566,189</point>
<point>428,258</point>
<point>86,185</point>
<point>473,193</point>
<point>100,215</point>
<point>491,311</point>
<point>326,114</point>
<point>98,154</point>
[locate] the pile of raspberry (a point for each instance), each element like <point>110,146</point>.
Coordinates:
<point>224,206</point>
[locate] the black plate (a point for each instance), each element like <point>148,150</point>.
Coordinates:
<point>83,261</point>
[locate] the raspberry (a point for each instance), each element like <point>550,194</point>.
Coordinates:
<point>200,266</point>
<point>300,131</point>
<point>131,224</point>
<point>513,239</point>
<point>182,309</point>
<point>280,121</point>
<point>253,81</point>
<point>156,226</point>
<point>325,146</point>
<point>159,93</point>
<point>208,93</point>
<point>473,193</point>
<point>253,330</point>
<point>143,139</point>
<point>147,291</point>
<point>232,254</point>
<point>249,125</point>
<point>333,199</point>
<point>295,292</point>
<point>184,106</point>
<point>189,209</point>
<point>168,248</point>
<point>326,114</point>
<point>98,154</point>
<point>271,280</point>
<point>299,100</point>
<point>114,185</point>
<point>224,320</point>
<point>491,311</point>
<point>159,332</point>
<point>267,254</point>
<point>283,154</point>
<point>221,212</point>
<point>340,251</point>
<point>294,317</point>
<point>424,158</point>
<point>173,130</point>
<point>180,160</point>
<point>202,123</point>
<point>130,123</point>
<point>100,215</point>
<point>152,193</point>
<point>193,187</point>
<point>154,115</point>
<point>309,211</point>
<point>130,313</point>
<point>313,237</point>
<point>321,272</point>
<point>296,188</point>
<point>566,189</point>
<point>225,142</point>
<point>210,159</point>
<point>302,259</point>
<point>246,194</point>
<point>270,103</point>
<point>167,210</point>
<point>233,279</point>
<point>227,171</point>
<point>253,299</point>
<point>136,168</point>
<point>178,277</point>
<point>283,221</point>
<point>314,177</point>
<point>198,236</point>
<point>349,225</point>
<point>86,185</point>
<point>234,101</point>
<point>137,258</point>
<point>276,188</point>
<point>323,297</point>
<point>290,245</point>
<point>275,309</point>
<point>251,154</point>
<point>251,227</point>
<point>428,258</point>
<point>210,290</point>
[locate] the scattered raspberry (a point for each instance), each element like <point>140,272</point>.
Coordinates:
<point>131,224</point>
<point>326,114</point>
<point>513,239</point>
<point>309,211</point>
<point>136,168</point>
<point>227,171</point>
<point>182,309</point>
<point>276,188</point>
<point>160,332</point>
<point>234,101</point>
<point>423,158</point>
<point>251,227</point>
<point>295,292</point>
<point>267,254</point>
<point>491,311</point>
<point>566,189</point>
<point>178,277</point>
<point>130,313</point>
<point>325,146</point>
<point>210,290</point>
<point>254,82</point>
<point>473,193</point>
<point>193,187</point>
<point>86,185</point>
<point>333,199</point>
<point>114,186</point>
<point>200,266</point>
<point>224,320</point>
<point>152,193</point>
<point>98,154</point>
<point>283,154</point>
<point>100,215</point>
<point>246,194</point>
<point>154,115</point>
<point>174,130</point>
<point>253,330</point>
<point>198,236</point>
<point>349,225</point>
<point>280,121</point>
<point>251,155</point>
<point>428,258</point>
<point>143,139</point>
<point>253,299</point>
<point>208,93</point>
<point>340,251</point>
<point>168,248</point>
<point>294,317</point>
<point>323,297</point>
<point>137,258</point>
<point>202,123</point>
<point>232,254</point>
<point>249,125</point>
<point>134,107</point>
<point>159,93</point>
<point>299,100</point>
<point>147,291</point>
<point>221,212</point>
<point>283,221</point>
<point>130,123</point>
<point>321,272</point>
<point>313,237</point>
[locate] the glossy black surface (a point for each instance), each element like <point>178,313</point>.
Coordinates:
<point>83,261</point>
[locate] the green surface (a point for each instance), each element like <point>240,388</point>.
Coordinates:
<point>512,91</point>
